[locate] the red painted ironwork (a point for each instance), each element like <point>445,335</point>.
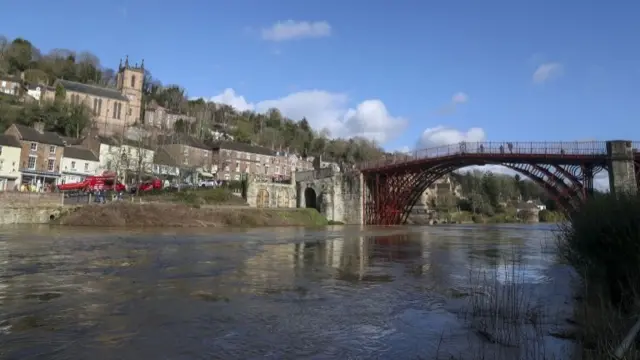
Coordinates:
<point>564,169</point>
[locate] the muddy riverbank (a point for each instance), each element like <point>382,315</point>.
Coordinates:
<point>125,214</point>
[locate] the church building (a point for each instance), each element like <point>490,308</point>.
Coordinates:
<point>113,109</point>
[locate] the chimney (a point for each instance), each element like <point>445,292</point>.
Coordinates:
<point>39,126</point>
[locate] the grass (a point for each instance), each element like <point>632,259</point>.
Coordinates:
<point>506,322</point>
<point>196,197</point>
<point>602,242</point>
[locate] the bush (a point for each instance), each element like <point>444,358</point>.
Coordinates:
<point>550,216</point>
<point>602,242</point>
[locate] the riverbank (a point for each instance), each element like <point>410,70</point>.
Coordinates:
<point>126,214</point>
<point>466,217</point>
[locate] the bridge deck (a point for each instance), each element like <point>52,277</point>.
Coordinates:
<point>485,153</point>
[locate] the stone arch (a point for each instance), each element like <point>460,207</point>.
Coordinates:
<point>262,198</point>
<point>283,199</point>
<point>311,198</point>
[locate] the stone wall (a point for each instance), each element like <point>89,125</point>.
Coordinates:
<point>28,214</point>
<point>271,195</point>
<point>622,176</point>
<point>338,198</point>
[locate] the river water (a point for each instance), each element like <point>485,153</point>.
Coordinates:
<point>443,292</point>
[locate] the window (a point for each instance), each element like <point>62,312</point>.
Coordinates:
<point>34,146</point>
<point>86,167</point>
<point>0,150</point>
<point>1,163</point>
<point>99,106</point>
<point>4,83</point>
<point>32,163</point>
<point>73,165</point>
<point>51,164</point>
<point>117,110</point>
<point>52,150</point>
<point>237,167</point>
<point>226,176</point>
<point>133,81</point>
<point>236,177</point>
<point>258,158</point>
<point>95,106</point>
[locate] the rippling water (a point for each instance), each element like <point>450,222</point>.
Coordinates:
<point>345,293</point>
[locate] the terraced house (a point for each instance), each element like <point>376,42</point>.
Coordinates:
<point>78,163</point>
<point>41,153</point>
<point>189,153</point>
<point>10,149</point>
<point>231,160</point>
<point>113,109</point>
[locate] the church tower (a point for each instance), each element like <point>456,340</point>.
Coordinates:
<point>129,81</point>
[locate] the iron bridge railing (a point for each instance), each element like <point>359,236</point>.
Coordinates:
<point>555,149</point>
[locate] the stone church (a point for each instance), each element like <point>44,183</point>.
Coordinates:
<point>114,110</point>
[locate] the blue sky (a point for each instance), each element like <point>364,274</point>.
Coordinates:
<point>386,69</point>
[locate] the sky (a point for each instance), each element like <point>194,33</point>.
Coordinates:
<point>406,73</point>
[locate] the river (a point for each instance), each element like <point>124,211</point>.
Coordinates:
<point>442,292</point>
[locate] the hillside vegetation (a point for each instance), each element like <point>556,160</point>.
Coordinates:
<point>270,129</point>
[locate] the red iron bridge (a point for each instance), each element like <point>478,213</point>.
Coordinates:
<point>564,169</point>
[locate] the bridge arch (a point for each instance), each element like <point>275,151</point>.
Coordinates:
<point>311,198</point>
<point>392,194</point>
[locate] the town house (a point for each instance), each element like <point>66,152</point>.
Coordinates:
<point>165,166</point>
<point>41,153</point>
<point>113,109</point>
<point>163,118</point>
<point>78,163</point>
<point>10,149</point>
<point>189,152</point>
<point>131,159</point>
<point>11,85</point>
<point>231,160</point>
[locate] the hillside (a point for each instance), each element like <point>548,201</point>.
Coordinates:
<point>270,129</point>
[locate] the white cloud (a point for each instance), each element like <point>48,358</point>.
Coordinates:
<point>441,135</point>
<point>290,30</point>
<point>229,97</point>
<point>326,110</point>
<point>457,99</point>
<point>546,72</point>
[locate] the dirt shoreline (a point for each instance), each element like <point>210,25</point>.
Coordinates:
<point>125,214</point>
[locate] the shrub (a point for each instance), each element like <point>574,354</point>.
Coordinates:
<point>602,242</point>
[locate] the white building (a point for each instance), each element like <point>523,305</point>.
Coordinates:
<point>10,151</point>
<point>35,91</point>
<point>165,166</point>
<point>127,157</point>
<point>78,163</point>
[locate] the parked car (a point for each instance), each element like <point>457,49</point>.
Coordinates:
<point>207,183</point>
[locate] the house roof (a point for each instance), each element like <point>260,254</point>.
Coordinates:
<point>228,145</point>
<point>162,157</point>
<point>70,140</point>
<point>92,90</point>
<point>10,78</point>
<point>80,153</point>
<point>31,134</point>
<point>9,140</point>
<point>183,139</point>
